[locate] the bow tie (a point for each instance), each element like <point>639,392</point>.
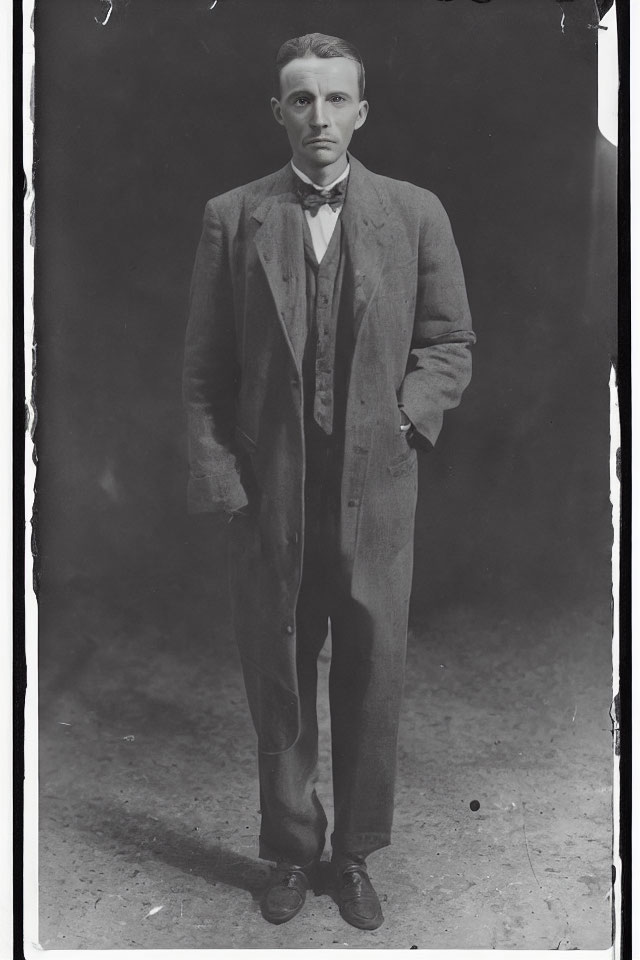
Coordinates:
<point>312,199</point>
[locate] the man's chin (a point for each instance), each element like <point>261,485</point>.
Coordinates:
<point>322,156</point>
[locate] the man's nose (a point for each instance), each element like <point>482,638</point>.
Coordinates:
<point>318,116</point>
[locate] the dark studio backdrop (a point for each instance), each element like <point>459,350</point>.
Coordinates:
<point>493,106</point>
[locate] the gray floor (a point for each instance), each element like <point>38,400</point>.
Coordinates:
<point>149,795</point>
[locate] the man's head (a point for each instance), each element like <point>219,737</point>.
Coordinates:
<point>322,46</point>
<point>320,104</point>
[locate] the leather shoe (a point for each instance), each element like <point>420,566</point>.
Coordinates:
<point>358,901</point>
<point>285,893</point>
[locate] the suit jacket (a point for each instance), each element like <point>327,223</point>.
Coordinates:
<point>243,395</point>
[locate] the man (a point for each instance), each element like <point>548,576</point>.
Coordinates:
<point>329,330</point>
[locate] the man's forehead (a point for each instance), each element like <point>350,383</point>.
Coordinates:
<point>304,72</point>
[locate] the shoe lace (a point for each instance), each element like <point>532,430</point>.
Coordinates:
<point>290,880</point>
<point>353,877</point>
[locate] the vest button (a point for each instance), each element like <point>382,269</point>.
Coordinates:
<point>288,629</point>
<point>353,503</point>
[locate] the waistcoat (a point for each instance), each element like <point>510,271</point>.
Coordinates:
<point>327,353</point>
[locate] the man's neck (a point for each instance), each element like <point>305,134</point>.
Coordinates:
<point>321,176</point>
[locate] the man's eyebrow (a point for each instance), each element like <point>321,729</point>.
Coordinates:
<point>299,93</point>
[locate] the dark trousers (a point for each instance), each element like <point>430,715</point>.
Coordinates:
<point>365,689</point>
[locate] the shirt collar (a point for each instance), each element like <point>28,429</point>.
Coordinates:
<point>328,186</point>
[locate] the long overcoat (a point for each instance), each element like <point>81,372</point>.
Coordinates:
<point>243,394</point>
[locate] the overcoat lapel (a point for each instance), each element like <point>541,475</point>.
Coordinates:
<point>368,228</point>
<point>279,242</point>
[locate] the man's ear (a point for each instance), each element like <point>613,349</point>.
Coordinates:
<point>363,110</point>
<point>277,110</point>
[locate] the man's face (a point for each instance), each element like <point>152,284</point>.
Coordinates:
<point>319,107</point>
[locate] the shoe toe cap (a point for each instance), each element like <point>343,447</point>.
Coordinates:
<point>365,910</point>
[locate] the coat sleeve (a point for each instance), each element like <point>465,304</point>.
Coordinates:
<point>211,376</point>
<point>439,366</point>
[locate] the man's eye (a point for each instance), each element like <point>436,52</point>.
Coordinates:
<point>337,98</point>
<point>301,101</point>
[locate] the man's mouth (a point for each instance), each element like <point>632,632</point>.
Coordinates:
<point>320,140</point>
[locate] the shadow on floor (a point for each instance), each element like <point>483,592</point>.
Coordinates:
<point>149,836</point>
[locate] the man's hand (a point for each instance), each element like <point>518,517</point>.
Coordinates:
<point>405,424</point>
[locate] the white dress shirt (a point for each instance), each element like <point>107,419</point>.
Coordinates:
<point>324,222</point>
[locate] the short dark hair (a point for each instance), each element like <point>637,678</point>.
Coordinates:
<point>319,45</point>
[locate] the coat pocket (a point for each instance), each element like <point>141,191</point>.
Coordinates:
<point>404,463</point>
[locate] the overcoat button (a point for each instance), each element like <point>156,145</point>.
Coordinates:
<point>353,503</point>
<point>289,628</point>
